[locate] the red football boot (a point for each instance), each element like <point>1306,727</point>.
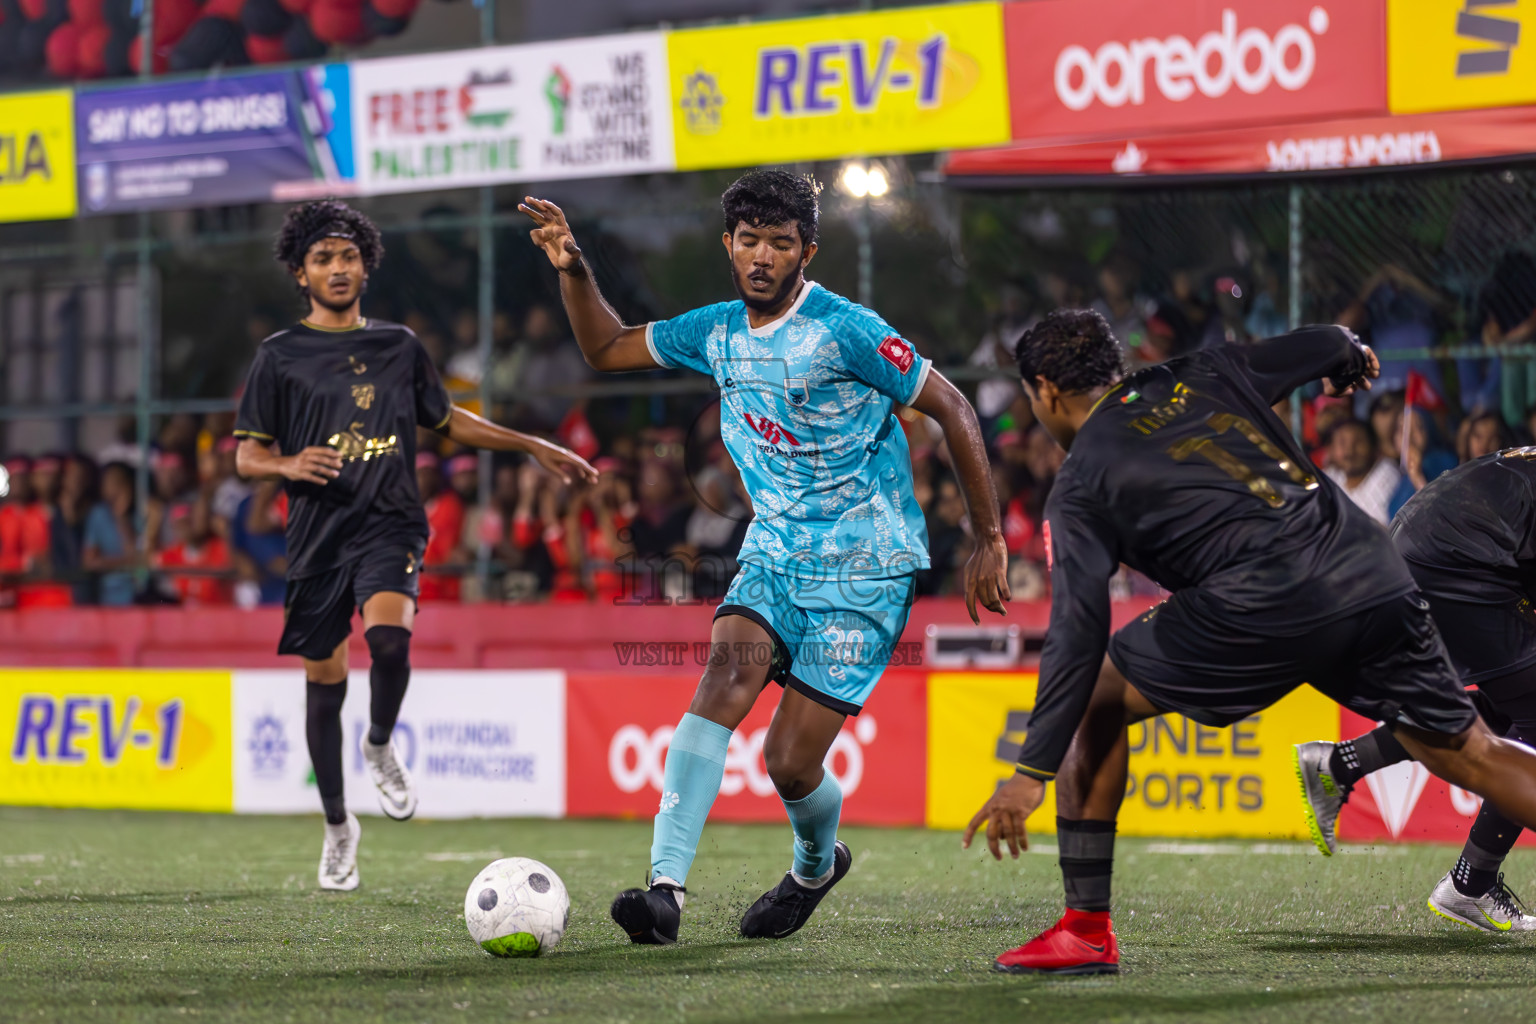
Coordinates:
<point>1080,943</point>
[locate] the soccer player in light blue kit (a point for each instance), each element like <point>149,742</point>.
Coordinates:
<point>809,384</point>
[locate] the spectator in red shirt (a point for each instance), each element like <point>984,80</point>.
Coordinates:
<point>13,515</point>
<point>445,521</point>
<point>187,550</point>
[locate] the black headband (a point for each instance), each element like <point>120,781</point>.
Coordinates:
<point>335,229</point>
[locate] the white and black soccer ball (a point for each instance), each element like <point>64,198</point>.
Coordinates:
<point>517,906</point>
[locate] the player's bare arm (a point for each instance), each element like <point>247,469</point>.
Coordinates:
<point>986,572</point>
<point>606,342</point>
<point>475,431</point>
<point>318,464</point>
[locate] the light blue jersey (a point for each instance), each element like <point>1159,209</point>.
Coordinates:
<point>806,411</point>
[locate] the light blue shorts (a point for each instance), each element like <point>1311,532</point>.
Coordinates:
<point>832,638</point>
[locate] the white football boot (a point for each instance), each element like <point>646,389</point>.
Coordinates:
<point>1497,910</point>
<point>397,790</point>
<point>338,857</point>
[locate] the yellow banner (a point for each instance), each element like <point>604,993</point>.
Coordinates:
<point>37,156</point>
<point>1186,779</point>
<point>1451,55</point>
<point>101,738</point>
<point>902,81</point>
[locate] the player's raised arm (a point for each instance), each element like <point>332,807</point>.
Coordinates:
<point>1279,365</point>
<point>605,341</point>
<point>986,573</point>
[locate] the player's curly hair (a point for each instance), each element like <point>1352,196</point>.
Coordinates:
<point>307,223</point>
<point>765,197</point>
<point>1073,349</point>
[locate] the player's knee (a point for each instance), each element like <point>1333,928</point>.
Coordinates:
<point>793,775</point>
<point>731,681</point>
<point>389,646</point>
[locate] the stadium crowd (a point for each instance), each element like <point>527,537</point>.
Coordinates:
<point>668,513</point>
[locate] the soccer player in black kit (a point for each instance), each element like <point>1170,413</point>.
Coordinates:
<point>331,406</point>
<point>1469,539</point>
<point>1183,472</point>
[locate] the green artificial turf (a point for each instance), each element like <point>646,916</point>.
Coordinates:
<point>159,917</point>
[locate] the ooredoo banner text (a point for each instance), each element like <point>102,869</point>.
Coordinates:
<point>1092,68</point>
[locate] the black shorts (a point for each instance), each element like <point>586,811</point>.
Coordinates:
<point>317,612</point>
<point>1486,641</point>
<point>1387,663</point>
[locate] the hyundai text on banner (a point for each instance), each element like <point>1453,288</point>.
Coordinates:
<point>144,740</point>
<point>1186,779</point>
<point>576,109</point>
<point>37,156</point>
<point>1351,144</point>
<point>246,138</point>
<point>480,744</point>
<point>1090,68</point>
<point>898,81</point>
<point>619,729</point>
<point>1456,54</point>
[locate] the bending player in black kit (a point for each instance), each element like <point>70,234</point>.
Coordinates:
<point>1182,472</point>
<point>1469,539</point>
<point>332,405</point>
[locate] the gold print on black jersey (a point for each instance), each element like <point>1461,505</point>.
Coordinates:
<point>357,367</point>
<point>1528,453</point>
<point>1235,467</point>
<point>354,446</point>
<point>1161,415</point>
<point>362,394</point>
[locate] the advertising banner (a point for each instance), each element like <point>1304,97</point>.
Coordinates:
<point>1404,802</point>
<point>897,81</point>
<point>128,739</point>
<point>576,109</point>
<point>480,744</point>
<point>618,734</point>
<point>37,156</point>
<point>1352,144</point>
<point>241,139</point>
<point>1186,779</point>
<point>1458,55</point>
<point>1091,68</point>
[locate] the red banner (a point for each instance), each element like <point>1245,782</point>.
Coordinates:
<point>1091,68</point>
<point>1325,146</point>
<point>618,729</point>
<point>1404,802</point>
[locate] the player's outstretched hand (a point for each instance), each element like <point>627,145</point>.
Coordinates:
<point>1005,814</point>
<point>551,233</point>
<point>564,463</point>
<point>986,578</point>
<point>1332,389</point>
<point>318,464</point>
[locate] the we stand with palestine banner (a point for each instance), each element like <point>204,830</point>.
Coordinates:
<point>513,113</point>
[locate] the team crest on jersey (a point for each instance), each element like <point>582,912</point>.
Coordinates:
<point>796,391</point>
<point>362,394</point>
<point>897,352</point>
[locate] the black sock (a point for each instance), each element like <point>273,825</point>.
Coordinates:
<point>1354,759</point>
<point>387,679</point>
<point>1087,856</point>
<point>322,727</point>
<point>1489,842</point>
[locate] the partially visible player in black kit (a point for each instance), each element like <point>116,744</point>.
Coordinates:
<point>1469,539</point>
<point>331,406</point>
<point>1183,472</point>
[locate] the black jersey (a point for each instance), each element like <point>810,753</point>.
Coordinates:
<point>1470,534</point>
<point>1184,473</point>
<point>363,392</point>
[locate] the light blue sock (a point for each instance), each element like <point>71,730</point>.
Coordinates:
<point>814,819</point>
<point>690,781</point>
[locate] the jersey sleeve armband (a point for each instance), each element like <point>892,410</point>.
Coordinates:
<point>254,434</point>
<point>650,344</point>
<point>446,418</point>
<point>1035,773</point>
